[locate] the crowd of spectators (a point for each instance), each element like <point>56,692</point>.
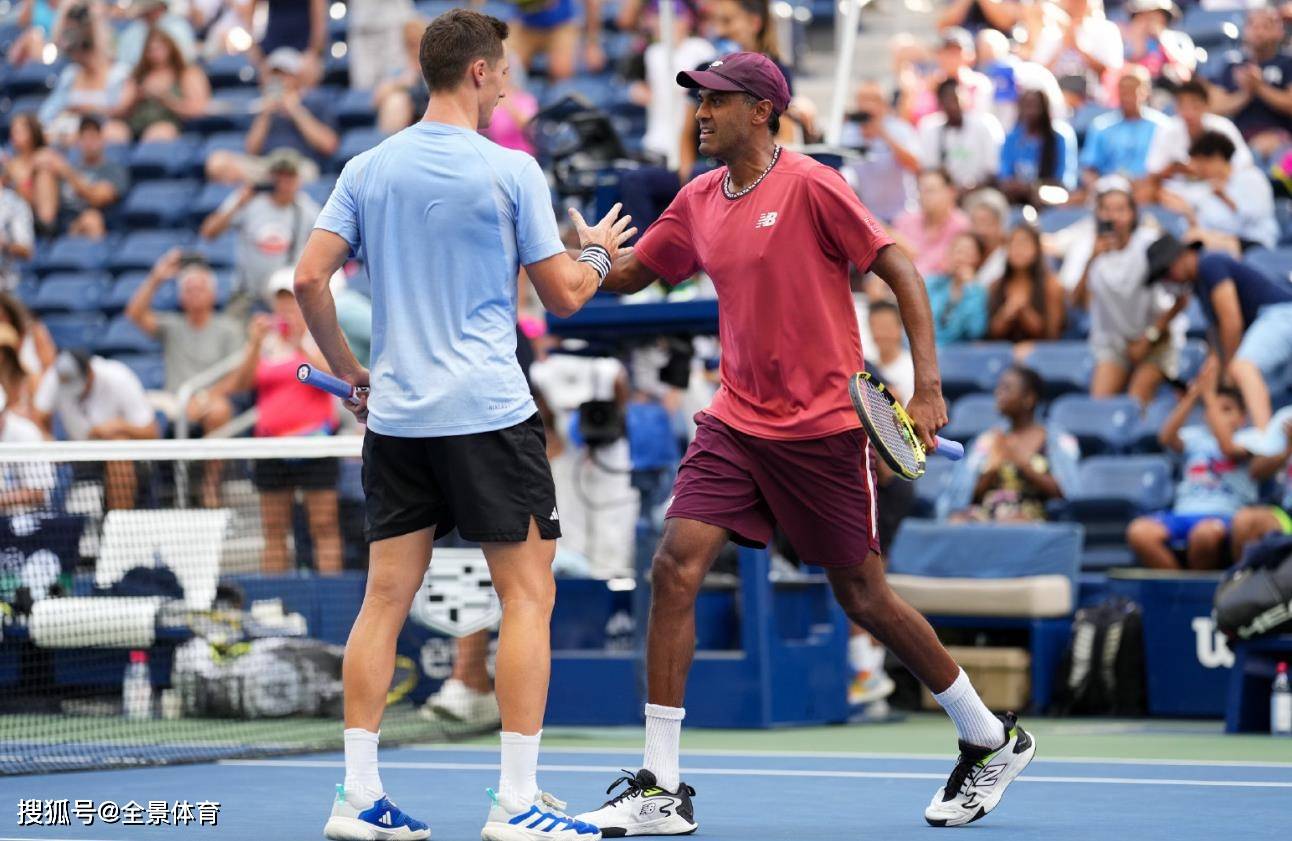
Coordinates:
<point>1037,161</point>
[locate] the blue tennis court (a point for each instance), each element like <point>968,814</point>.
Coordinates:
<point>758,793</point>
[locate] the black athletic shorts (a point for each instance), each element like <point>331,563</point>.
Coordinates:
<point>487,485</point>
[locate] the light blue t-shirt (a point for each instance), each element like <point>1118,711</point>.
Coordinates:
<point>1116,145</point>
<point>444,218</point>
<point>1211,482</point>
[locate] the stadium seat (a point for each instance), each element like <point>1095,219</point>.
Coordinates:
<point>207,201</point>
<point>122,336</point>
<point>1100,424</point>
<point>355,142</point>
<point>1057,218</point>
<point>124,287</point>
<point>1211,29</point>
<point>321,189</point>
<point>159,204</point>
<point>600,90</point>
<point>937,475</point>
<point>1192,355</point>
<point>1064,366</point>
<point>354,108</point>
<point>69,292</point>
<point>1144,435</point>
<point>72,254</point>
<point>32,79</point>
<point>336,70</point>
<point>972,415</point>
<point>1171,222</point>
<point>230,71</point>
<point>139,250</point>
<point>231,141</point>
<point>968,368</point>
<point>1143,482</point>
<point>1085,115</point>
<point>1276,263</point>
<point>1076,324</point>
<point>168,159</point>
<point>231,110</point>
<point>148,367</point>
<point>219,252</point>
<point>75,331</point>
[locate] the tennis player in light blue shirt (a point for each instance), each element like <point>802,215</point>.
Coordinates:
<point>444,218</point>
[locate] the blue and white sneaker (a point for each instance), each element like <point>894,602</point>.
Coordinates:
<point>379,821</point>
<point>543,820</point>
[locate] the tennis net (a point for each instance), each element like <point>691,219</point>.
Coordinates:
<point>178,601</point>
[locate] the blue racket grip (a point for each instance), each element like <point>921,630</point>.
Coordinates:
<point>953,450</point>
<point>324,381</point>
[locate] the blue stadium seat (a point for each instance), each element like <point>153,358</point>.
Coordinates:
<point>72,254</point>
<point>1276,263</point>
<point>1101,425</point>
<point>32,78</point>
<point>69,292</point>
<point>231,109</point>
<point>1192,355</point>
<point>148,367</point>
<point>1057,218</point>
<point>1171,222</point>
<point>336,70</point>
<point>75,331</point>
<point>600,90</point>
<point>230,71</point>
<point>972,415</point>
<point>23,104</point>
<point>321,189</point>
<point>1144,435</point>
<point>1065,367</point>
<point>208,201</point>
<point>232,141</point>
<point>1211,29</point>
<point>355,142</point>
<point>1141,482</point>
<point>968,368</point>
<point>139,250</point>
<point>1076,324</point>
<point>122,336</point>
<point>1283,212</point>
<point>219,252</point>
<point>166,159</point>
<point>123,288</point>
<point>354,108</point>
<point>937,475</point>
<point>159,204</point>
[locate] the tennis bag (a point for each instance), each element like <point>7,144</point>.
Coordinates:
<point>263,678</point>
<point>1102,671</point>
<point>1255,597</point>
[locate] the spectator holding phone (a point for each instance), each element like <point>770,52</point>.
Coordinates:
<point>884,178</point>
<point>278,344</point>
<point>273,222</point>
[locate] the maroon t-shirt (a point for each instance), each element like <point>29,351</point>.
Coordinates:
<point>779,257</point>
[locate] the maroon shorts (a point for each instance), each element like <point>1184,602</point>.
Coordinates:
<point>821,491</point>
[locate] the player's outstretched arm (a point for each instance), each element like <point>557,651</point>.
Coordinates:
<point>926,408</point>
<point>629,275</point>
<point>564,284</point>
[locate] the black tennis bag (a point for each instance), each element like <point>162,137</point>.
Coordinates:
<point>1255,597</point>
<point>1102,672</point>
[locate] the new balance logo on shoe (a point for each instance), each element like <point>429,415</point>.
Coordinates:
<point>385,819</point>
<point>988,776</point>
<point>766,220</point>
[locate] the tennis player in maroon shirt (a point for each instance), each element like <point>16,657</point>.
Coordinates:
<point>778,233</point>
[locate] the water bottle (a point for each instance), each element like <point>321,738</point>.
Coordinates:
<point>137,688</point>
<point>1281,703</point>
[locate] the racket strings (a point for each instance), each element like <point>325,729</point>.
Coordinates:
<point>893,436</point>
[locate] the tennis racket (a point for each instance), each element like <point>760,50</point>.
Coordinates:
<point>890,428</point>
<point>324,381</point>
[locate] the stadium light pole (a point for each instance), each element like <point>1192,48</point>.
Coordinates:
<point>846,43</point>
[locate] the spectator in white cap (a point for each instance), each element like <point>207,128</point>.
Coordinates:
<point>273,219</point>
<point>97,399</point>
<point>299,25</point>
<point>290,115</point>
<point>278,343</point>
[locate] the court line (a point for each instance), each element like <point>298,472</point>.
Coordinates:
<point>761,772</point>
<point>923,757</point>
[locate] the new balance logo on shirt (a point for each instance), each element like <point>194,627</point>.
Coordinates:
<point>766,220</point>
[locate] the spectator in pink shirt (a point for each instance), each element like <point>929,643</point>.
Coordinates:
<point>926,234</point>
<point>517,108</point>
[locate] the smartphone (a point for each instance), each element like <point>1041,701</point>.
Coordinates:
<point>1103,227</point>
<point>281,327</point>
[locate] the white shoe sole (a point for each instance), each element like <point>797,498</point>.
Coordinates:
<point>352,829</point>
<point>507,832</point>
<point>985,808</point>
<point>671,825</point>
<point>881,690</point>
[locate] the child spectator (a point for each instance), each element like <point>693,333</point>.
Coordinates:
<point>959,304</point>
<point>1026,303</point>
<point>1215,482</point>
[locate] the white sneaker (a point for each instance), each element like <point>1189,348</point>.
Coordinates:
<point>458,702</point>
<point>542,820</point>
<point>981,776</point>
<point>379,820</point>
<point>643,808</point>
<point>869,686</point>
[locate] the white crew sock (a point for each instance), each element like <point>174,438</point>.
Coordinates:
<point>518,785</point>
<point>663,736</point>
<point>974,722</point>
<point>362,782</point>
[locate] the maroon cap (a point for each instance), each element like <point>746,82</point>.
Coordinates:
<point>751,73</point>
